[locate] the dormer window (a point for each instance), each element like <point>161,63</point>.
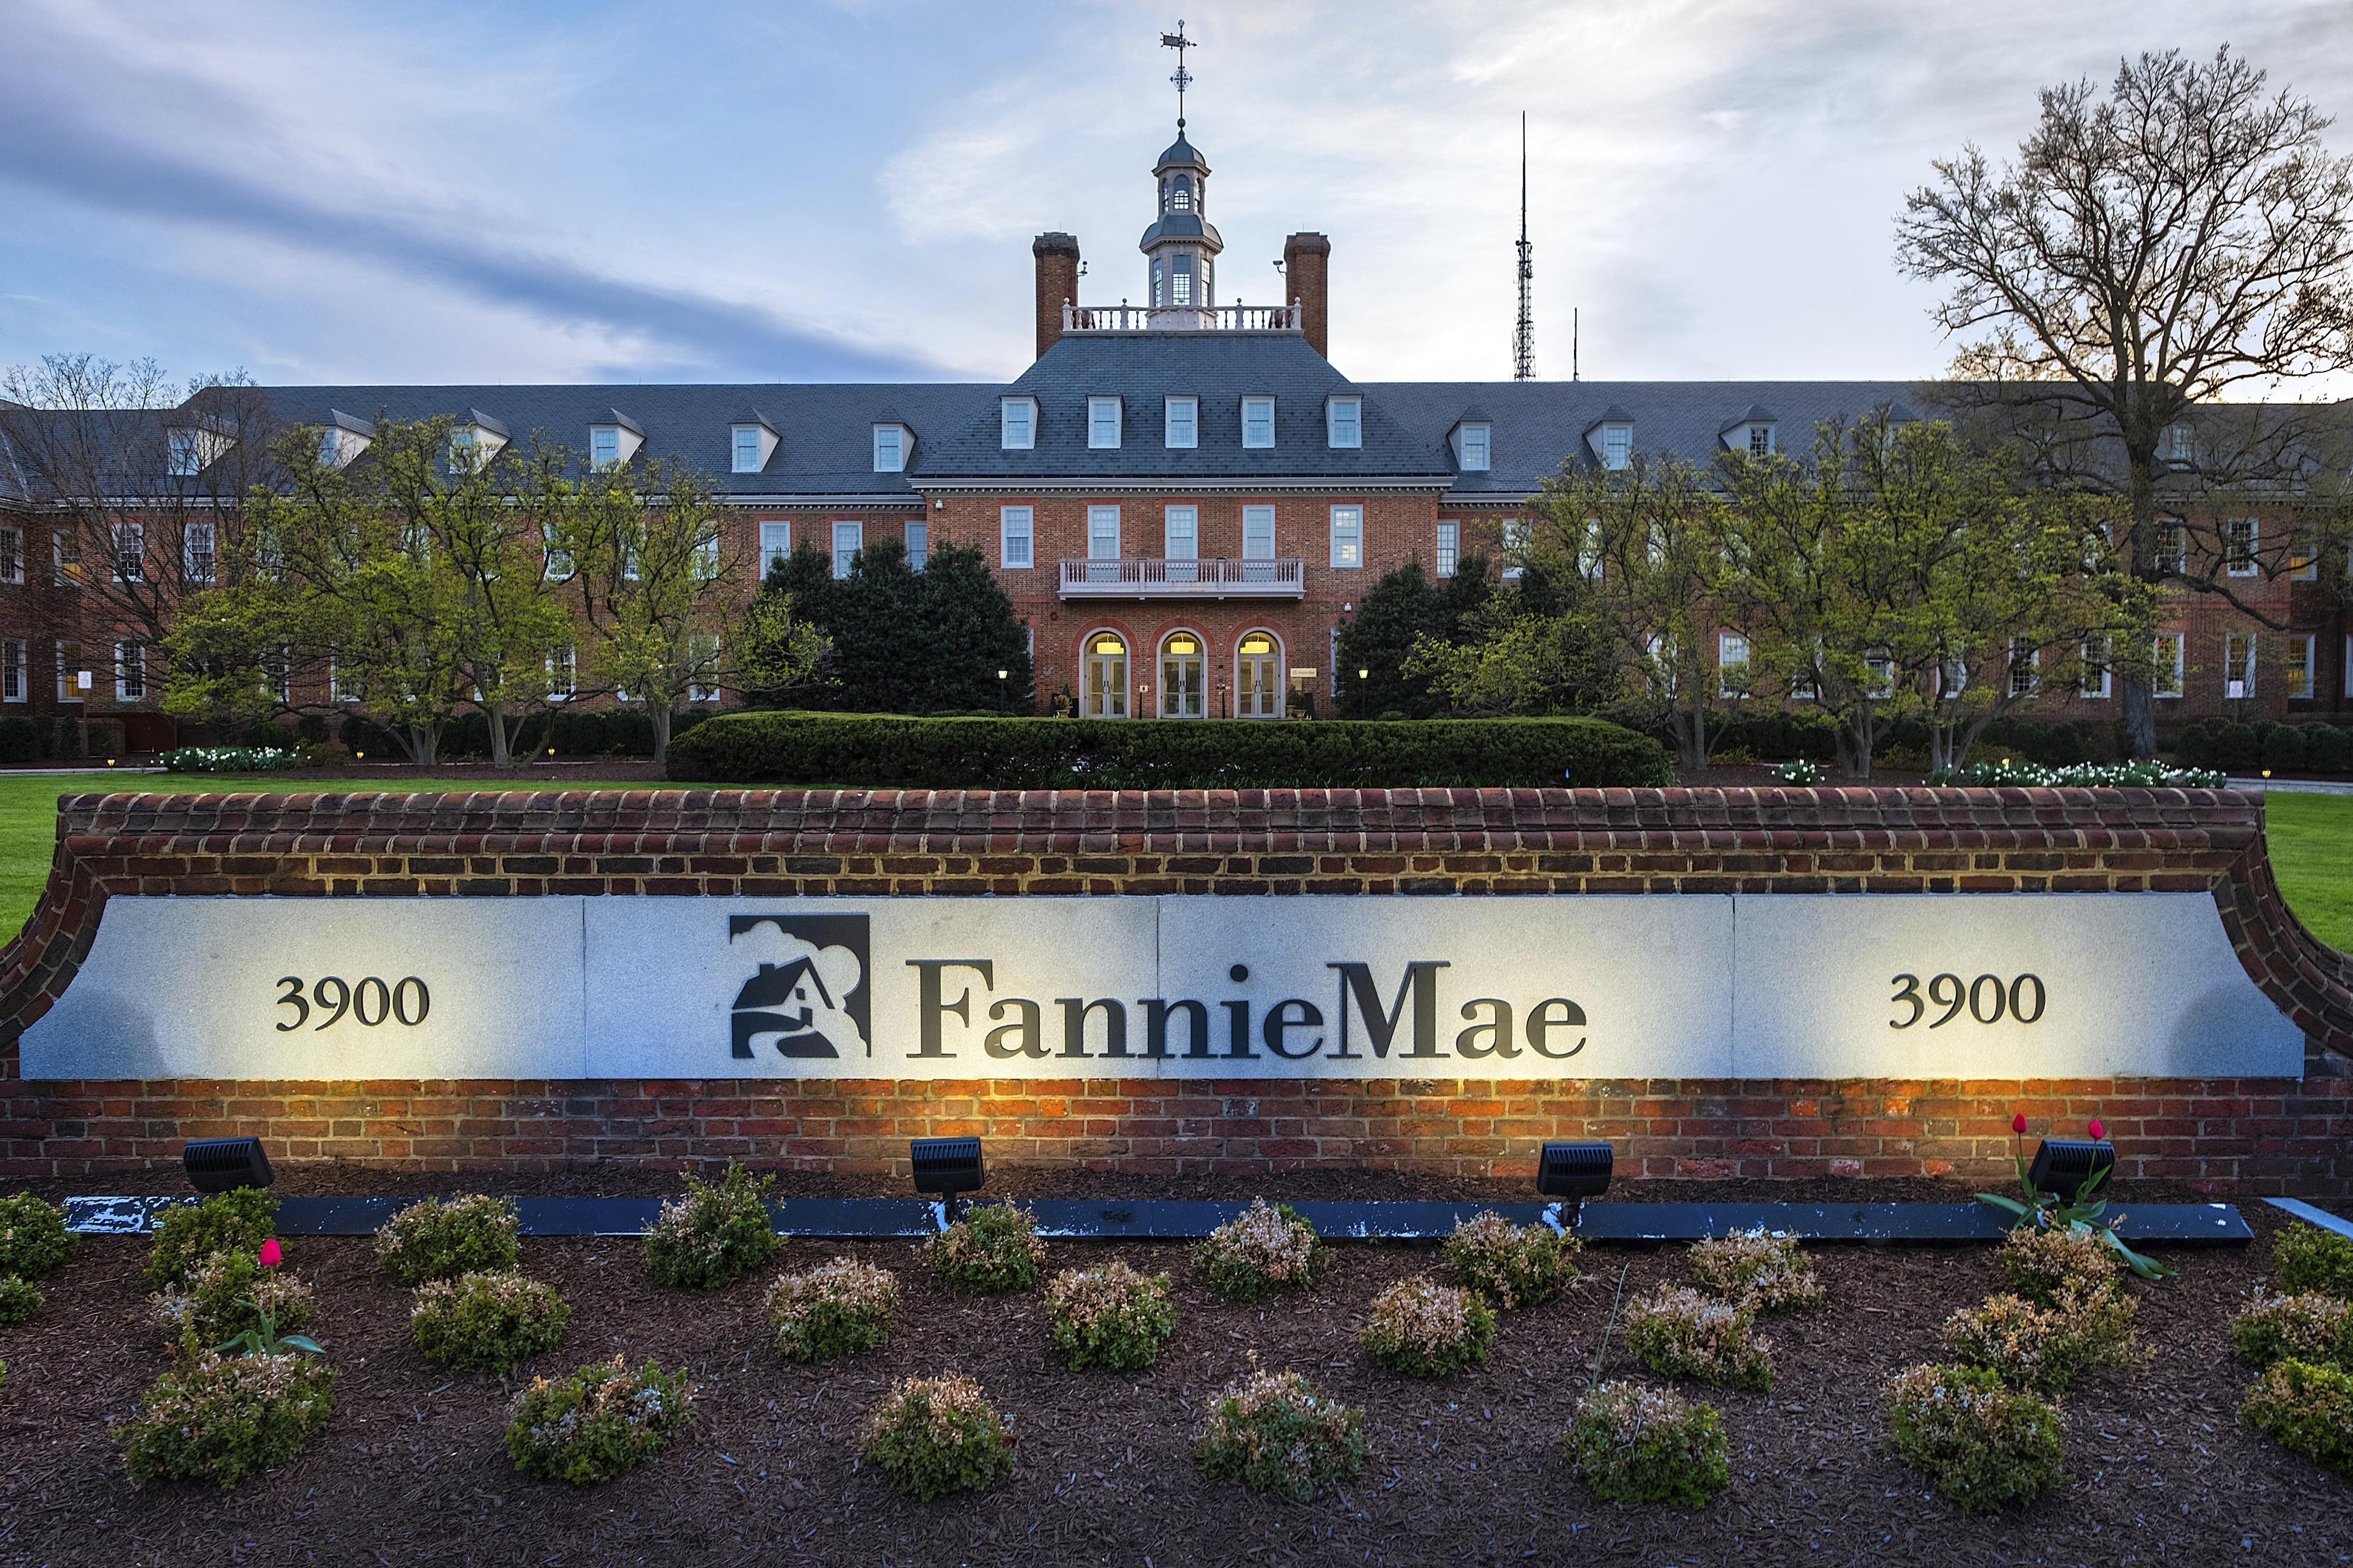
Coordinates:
<point>1102,422</point>
<point>475,441</point>
<point>891,444</point>
<point>1472,446</point>
<point>330,448</point>
<point>1258,423</point>
<point>343,439</point>
<point>1344,421</point>
<point>1617,446</point>
<point>1016,423</point>
<point>2176,444</point>
<point>751,441</point>
<point>191,450</point>
<point>746,458</point>
<point>1760,440</point>
<point>1182,416</point>
<point>614,442</point>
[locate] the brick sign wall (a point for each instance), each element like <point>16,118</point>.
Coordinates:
<point>2282,1133</point>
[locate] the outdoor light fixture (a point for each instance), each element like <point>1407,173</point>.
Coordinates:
<point>1575,1170</point>
<point>2062,1165</point>
<point>949,1165</point>
<point>223,1164</point>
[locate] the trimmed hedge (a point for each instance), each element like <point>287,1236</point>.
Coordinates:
<point>2310,747</point>
<point>573,732</point>
<point>885,751</point>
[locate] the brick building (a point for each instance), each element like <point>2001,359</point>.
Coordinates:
<point>1185,501</point>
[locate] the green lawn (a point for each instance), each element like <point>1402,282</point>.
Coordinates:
<point>28,813</point>
<point>2311,835</point>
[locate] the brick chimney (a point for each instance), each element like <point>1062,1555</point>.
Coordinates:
<point>1058,284</point>
<point>1306,265</point>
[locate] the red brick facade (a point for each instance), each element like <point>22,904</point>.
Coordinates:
<point>2228,1135</point>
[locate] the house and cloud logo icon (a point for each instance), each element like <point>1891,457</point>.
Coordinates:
<point>809,996</point>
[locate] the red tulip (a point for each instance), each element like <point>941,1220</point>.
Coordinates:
<point>2018,1122</point>
<point>272,1255</point>
<point>2098,1131</point>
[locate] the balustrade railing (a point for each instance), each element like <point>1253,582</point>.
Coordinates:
<point>1180,318</point>
<point>1150,577</point>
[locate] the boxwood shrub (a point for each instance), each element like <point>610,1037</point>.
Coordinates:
<point>883,750</point>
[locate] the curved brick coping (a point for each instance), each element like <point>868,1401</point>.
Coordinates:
<point>2248,1135</point>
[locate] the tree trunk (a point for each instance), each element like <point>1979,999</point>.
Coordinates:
<point>422,742</point>
<point>659,713</point>
<point>2140,706</point>
<point>495,711</point>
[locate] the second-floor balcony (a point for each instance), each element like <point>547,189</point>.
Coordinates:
<point>1180,318</point>
<point>1149,577</point>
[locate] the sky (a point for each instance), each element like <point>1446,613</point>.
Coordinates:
<point>711,191</point>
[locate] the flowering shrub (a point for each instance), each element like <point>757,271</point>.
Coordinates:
<point>2012,771</point>
<point>224,1296</point>
<point>238,1221</point>
<point>2315,1261</point>
<point>2317,1330</point>
<point>1511,1266</point>
<point>231,760</point>
<point>18,1300</point>
<point>2045,1349</point>
<point>1260,1251</point>
<point>33,1236</point>
<point>1677,1333</point>
<point>486,1320</point>
<point>433,1239</point>
<point>1423,1329</point>
<point>1636,1444</point>
<point>1110,1315</point>
<point>933,1435</point>
<point>989,1250</point>
<point>2306,1410</point>
<point>602,1420</point>
<point>1800,772</point>
<point>841,1307</point>
<point>1274,1432</point>
<point>714,1232</point>
<point>2041,1264</point>
<point>1766,1274</point>
<point>222,1419</point>
<point>1986,1446</point>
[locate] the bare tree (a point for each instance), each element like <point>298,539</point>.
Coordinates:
<point>2148,251</point>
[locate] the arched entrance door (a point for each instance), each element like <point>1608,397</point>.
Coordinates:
<point>1181,665</point>
<point>1105,693</point>
<point>1259,685</point>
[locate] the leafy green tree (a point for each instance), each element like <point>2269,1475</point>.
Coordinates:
<point>897,640</point>
<point>1534,646</point>
<point>1400,612</point>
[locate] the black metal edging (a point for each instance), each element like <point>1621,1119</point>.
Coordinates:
<point>1178,1219</point>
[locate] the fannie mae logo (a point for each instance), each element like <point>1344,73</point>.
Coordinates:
<point>809,998</point>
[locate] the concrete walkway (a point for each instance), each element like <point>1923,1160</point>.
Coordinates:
<point>2292,786</point>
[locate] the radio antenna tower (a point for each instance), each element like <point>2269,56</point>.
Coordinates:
<point>1524,335</point>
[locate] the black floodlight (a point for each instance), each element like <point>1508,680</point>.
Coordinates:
<point>2063,1165</point>
<point>223,1164</point>
<point>949,1165</point>
<point>1573,1171</point>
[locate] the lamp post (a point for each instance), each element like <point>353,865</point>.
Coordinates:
<point>1362,677</point>
<point>1000,693</point>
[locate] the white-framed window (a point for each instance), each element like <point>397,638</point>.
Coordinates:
<point>2303,552</point>
<point>1258,533</point>
<point>889,449</point>
<point>2172,545</point>
<point>277,676</point>
<point>2177,448</point>
<point>849,539</point>
<point>129,552</point>
<point>1879,672</point>
<point>1181,423</point>
<point>1347,536</point>
<point>70,681</point>
<point>129,672</point>
<point>1515,548</point>
<point>1015,527</point>
<point>1449,547</point>
<point>184,454</point>
<point>2095,680</point>
<point>1102,422</point>
<point>13,687</point>
<point>706,556</point>
<point>1180,533</point>
<point>1661,652</point>
<point>198,559</point>
<point>2167,661</point>
<point>1016,423</point>
<point>919,544</point>
<point>703,668</point>
<point>1180,280</point>
<point>604,446</point>
<point>1952,676</point>
<point>558,563</point>
<point>1103,533</point>
<point>2025,662</point>
<point>65,558</point>
<point>2240,536</point>
<point>2237,664</point>
<point>1258,423</point>
<point>775,543</point>
<point>2300,648</point>
<point>1760,440</point>
<point>1344,421</point>
<point>745,456</point>
<point>12,555</point>
<point>563,673</point>
<point>1475,447</point>
<point>1617,446</point>
<point>1731,664</point>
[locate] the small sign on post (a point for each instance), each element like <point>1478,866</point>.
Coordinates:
<point>1298,674</point>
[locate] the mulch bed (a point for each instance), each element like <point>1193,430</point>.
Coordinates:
<point>1464,1470</point>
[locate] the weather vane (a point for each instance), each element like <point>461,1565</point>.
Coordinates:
<point>1183,79</point>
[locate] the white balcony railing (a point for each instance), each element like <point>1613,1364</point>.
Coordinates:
<point>1134,577</point>
<point>1180,318</point>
